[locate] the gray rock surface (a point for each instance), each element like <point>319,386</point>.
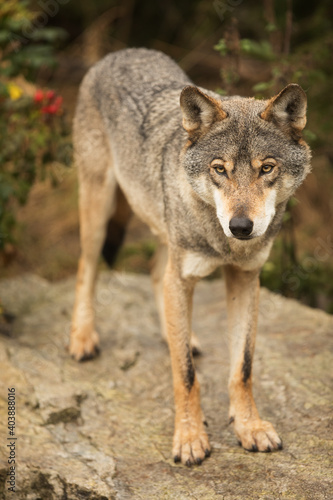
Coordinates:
<point>103,429</point>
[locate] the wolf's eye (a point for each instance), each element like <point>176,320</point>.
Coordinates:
<point>218,166</point>
<point>266,169</point>
<point>219,169</point>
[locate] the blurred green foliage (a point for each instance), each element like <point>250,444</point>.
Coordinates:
<point>33,131</point>
<point>25,44</point>
<point>295,40</point>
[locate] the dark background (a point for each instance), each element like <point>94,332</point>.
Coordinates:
<point>265,45</point>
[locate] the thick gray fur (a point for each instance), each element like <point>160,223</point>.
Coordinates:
<point>136,93</point>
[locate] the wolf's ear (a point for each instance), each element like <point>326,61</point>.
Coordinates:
<point>199,110</point>
<point>288,109</point>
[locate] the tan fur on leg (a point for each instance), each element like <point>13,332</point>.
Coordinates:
<point>94,214</point>
<point>242,300</point>
<point>159,263</point>
<point>190,444</point>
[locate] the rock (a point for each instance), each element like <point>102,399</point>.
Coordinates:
<point>103,429</point>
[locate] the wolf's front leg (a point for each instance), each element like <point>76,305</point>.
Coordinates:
<point>96,206</point>
<point>190,442</point>
<point>242,301</point>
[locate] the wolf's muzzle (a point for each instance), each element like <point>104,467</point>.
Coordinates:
<point>241,227</point>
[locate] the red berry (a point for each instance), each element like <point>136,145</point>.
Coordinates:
<point>52,109</point>
<point>39,96</point>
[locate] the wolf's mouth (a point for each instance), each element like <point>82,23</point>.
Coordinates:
<point>244,237</point>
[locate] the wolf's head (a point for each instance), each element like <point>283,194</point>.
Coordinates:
<point>245,157</point>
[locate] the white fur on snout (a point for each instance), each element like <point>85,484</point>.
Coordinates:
<point>261,223</point>
<point>222,213</point>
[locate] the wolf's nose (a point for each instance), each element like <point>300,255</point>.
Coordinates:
<point>241,227</point>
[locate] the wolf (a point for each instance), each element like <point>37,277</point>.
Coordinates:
<point>211,176</point>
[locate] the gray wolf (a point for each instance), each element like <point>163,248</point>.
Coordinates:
<point>211,176</point>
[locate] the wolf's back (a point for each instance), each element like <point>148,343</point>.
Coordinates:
<point>133,78</point>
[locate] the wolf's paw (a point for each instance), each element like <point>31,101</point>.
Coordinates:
<point>195,345</point>
<point>190,445</point>
<point>84,346</point>
<point>257,435</point>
